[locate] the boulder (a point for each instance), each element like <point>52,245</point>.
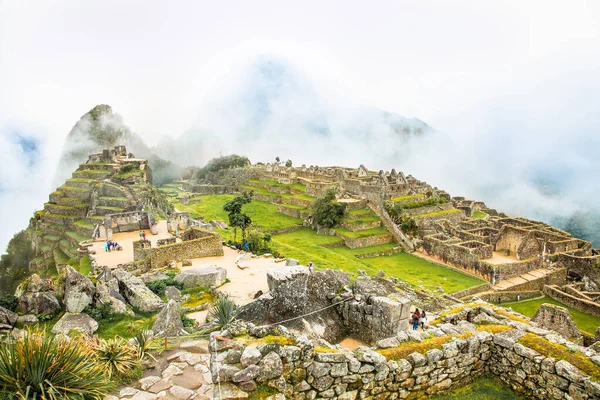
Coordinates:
<point>39,303</point>
<point>172,293</point>
<point>80,321</point>
<point>202,276</point>
<point>136,292</point>
<point>79,290</point>
<point>168,322</point>
<point>28,319</point>
<point>104,294</point>
<point>301,294</point>
<point>7,317</point>
<point>153,276</point>
<point>291,262</point>
<point>243,258</point>
<point>37,284</point>
<point>278,276</point>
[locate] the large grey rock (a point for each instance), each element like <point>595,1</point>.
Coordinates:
<point>202,276</point>
<point>270,367</point>
<point>278,276</point>
<point>300,296</point>
<point>79,290</point>
<point>79,321</point>
<point>28,319</point>
<point>104,294</point>
<point>168,322</point>
<point>39,303</point>
<point>173,293</point>
<point>291,262</point>
<point>7,317</point>
<point>229,391</point>
<point>136,292</point>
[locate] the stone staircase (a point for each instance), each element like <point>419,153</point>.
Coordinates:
<point>532,280</point>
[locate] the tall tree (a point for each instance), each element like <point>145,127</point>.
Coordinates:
<point>237,219</point>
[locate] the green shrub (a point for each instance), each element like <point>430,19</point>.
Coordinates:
<point>40,366</point>
<point>326,213</point>
<point>44,317</point>
<point>187,321</point>
<point>99,313</point>
<point>159,286</point>
<point>9,302</point>
<point>144,342</point>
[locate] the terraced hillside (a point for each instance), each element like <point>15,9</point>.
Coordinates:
<point>75,209</point>
<point>361,242</point>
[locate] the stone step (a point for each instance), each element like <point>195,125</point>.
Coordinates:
<point>80,182</point>
<point>79,210</point>
<point>91,174</point>
<point>59,219</point>
<point>102,210</point>
<point>83,228</point>
<point>530,276</point>
<point>106,201</point>
<point>69,201</point>
<point>81,193</point>
<point>357,225</point>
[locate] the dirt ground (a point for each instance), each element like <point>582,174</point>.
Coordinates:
<point>125,239</point>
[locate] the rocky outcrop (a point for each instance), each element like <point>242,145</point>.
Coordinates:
<point>7,317</point>
<point>168,322</point>
<point>291,262</point>
<point>558,319</point>
<point>136,292</point>
<point>296,295</point>
<point>79,290</point>
<point>105,294</point>
<point>37,296</point>
<point>202,276</point>
<point>279,276</point>
<point>78,321</point>
<point>172,293</point>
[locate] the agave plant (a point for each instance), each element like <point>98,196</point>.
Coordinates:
<point>144,343</point>
<point>40,366</point>
<point>116,358</point>
<point>223,312</point>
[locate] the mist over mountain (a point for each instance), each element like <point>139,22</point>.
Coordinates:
<point>270,108</point>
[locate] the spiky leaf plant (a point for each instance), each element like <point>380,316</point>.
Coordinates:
<point>144,342</point>
<point>41,366</point>
<point>223,312</point>
<point>116,358</point>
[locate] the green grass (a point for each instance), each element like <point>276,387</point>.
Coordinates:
<point>360,234</point>
<point>436,213</point>
<point>124,325</point>
<point>362,219</point>
<point>361,211</point>
<point>479,214</point>
<point>82,223</point>
<point>408,197</point>
<point>60,257</point>
<point>263,214</point>
<point>480,389</point>
<point>585,322</point>
<point>85,265</point>
<point>305,245</point>
<point>52,238</point>
<point>76,236</point>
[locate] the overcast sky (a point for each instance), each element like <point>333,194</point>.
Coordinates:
<point>469,68</point>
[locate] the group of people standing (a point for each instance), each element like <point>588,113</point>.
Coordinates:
<point>418,318</point>
<point>110,245</point>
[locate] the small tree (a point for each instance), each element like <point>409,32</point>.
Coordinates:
<point>236,218</point>
<point>277,160</point>
<point>326,213</point>
<point>288,163</point>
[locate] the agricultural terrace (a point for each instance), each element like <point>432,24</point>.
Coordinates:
<point>272,210</point>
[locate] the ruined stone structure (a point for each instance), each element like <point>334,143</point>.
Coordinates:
<point>104,190</point>
<point>195,243</point>
<point>179,222</point>
<point>407,364</point>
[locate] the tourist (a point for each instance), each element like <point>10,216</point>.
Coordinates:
<point>106,246</point>
<point>423,319</point>
<point>415,320</point>
<point>97,233</point>
<point>141,236</point>
<point>144,235</point>
<point>518,297</point>
<point>246,246</point>
<point>310,267</point>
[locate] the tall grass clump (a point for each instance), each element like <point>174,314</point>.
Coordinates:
<point>40,366</point>
<point>118,360</point>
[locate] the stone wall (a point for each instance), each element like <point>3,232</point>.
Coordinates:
<point>142,249</point>
<point>472,291</point>
<point>361,226</point>
<point>294,367</point>
<point>581,266</point>
<point>293,212</point>
<point>556,277</point>
<point>580,304</point>
<point>509,296</point>
<point>209,246</point>
<point>367,241</point>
